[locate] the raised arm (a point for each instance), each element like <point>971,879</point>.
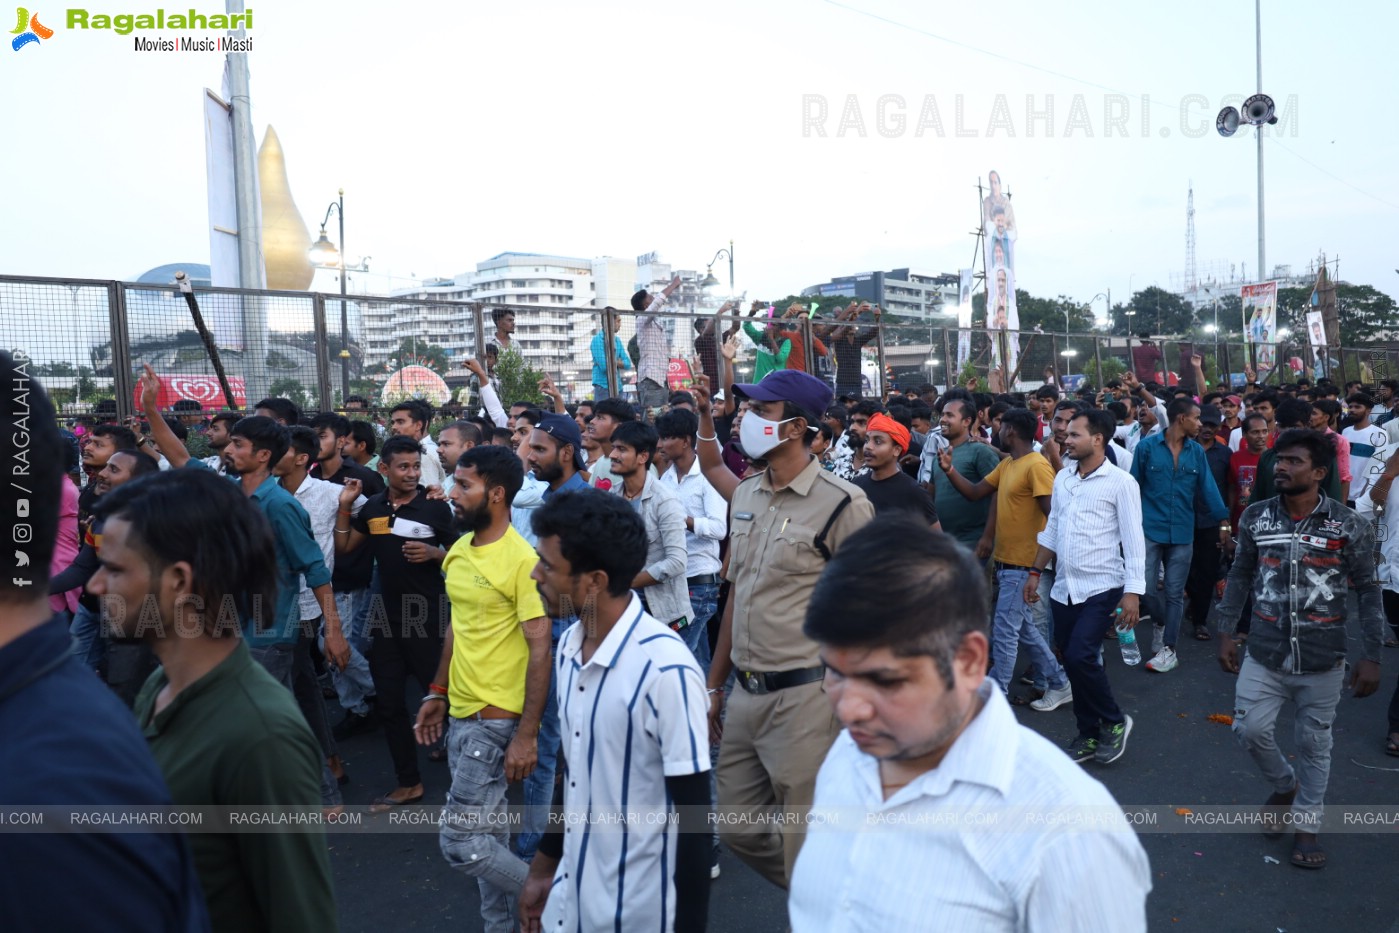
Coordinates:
<point>711,457</point>
<point>164,438</point>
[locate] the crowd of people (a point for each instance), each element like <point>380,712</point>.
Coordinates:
<point>777,597</point>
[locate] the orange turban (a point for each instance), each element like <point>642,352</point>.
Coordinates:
<point>897,432</point>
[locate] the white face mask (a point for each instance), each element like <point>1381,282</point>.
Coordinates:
<point>759,435</point>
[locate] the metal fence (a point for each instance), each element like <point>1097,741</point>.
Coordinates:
<point>88,340</point>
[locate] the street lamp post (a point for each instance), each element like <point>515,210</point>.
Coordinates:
<point>709,279</point>
<point>326,252</point>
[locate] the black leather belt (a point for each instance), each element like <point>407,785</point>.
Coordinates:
<point>1001,566</point>
<point>704,579</point>
<point>761,683</point>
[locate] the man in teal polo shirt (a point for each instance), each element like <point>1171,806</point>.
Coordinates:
<point>255,445</point>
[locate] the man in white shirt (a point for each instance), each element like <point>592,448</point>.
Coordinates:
<point>634,851</point>
<point>929,740</point>
<point>706,525</point>
<point>1094,535</point>
<point>321,500</point>
<point>1369,445</point>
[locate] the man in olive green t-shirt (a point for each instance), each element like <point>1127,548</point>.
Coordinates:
<point>222,730</point>
<point>961,518</point>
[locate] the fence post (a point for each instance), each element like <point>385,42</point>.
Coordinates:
<point>609,355</point>
<point>879,339</point>
<point>1098,361</point>
<point>808,333</point>
<point>122,383</point>
<point>947,362</point>
<point>326,398</point>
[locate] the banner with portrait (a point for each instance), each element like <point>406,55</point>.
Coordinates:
<point>964,318</point>
<point>1316,330</point>
<point>1260,315</point>
<point>1002,233</point>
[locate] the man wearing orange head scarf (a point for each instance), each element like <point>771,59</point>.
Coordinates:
<point>888,487</point>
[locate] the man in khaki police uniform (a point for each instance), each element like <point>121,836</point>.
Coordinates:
<point>784,524</point>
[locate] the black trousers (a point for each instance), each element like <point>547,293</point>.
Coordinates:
<point>1205,571</point>
<point>392,660</point>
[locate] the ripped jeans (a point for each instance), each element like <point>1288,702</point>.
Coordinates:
<point>1258,696</point>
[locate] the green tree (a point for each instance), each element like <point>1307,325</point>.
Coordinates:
<point>58,369</point>
<point>1153,310</point>
<point>414,352</point>
<point>1365,312</point>
<point>519,382</point>
<point>289,388</point>
<point>85,386</point>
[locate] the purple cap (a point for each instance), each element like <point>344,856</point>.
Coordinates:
<point>789,385</point>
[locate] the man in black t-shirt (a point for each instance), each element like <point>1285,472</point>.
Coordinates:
<point>408,535</point>
<point>888,487</point>
<point>350,579</point>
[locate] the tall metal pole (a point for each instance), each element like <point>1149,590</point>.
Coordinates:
<point>344,308</point>
<point>251,272</point>
<point>1258,33</point>
<point>731,268</point>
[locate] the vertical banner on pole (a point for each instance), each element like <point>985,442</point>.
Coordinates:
<point>1002,233</point>
<point>1260,309</point>
<point>964,320</point>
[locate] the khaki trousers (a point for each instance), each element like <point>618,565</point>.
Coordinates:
<point>772,748</point>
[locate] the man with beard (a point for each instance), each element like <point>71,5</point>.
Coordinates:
<point>67,741</point>
<point>89,642</point>
<point>408,534</point>
<point>217,437</point>
<point>661,583</point>
<point>491,680</point>
<point>553,453</point>
<point>453,441</point>
<point>223,731</point>
<point>99,444</point>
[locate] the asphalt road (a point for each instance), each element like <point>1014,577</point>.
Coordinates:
<point>1176,757</point>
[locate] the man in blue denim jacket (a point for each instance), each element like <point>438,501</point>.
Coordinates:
<point>1172,470</point>
<point>1298,555</point>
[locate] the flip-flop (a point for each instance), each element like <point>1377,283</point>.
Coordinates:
<point>1025,699</point>
<point>387,803</point>
<point>1391,744</point>
<point>1203,634</point>
<point>1272,812</point>
<point>1303,855</point>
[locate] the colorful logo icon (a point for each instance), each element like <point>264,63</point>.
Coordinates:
<point>28,29</point>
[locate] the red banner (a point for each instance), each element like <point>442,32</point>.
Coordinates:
<point>679,377</point>
<point>203,389</point>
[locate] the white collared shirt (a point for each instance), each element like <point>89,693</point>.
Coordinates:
<point>917,863</point>
<point>709,513</point>
<point>633,715</point>
<point>1095,532</point>
<point>321,500</point>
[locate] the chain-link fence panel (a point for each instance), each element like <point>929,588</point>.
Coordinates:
<point>64,328</point>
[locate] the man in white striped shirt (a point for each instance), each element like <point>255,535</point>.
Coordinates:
<point>932,770</point>
<point>1094,535</point>
<point>632,850</point>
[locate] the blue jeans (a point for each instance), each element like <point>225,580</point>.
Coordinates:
<point>1014,626</point>
<point>1170,610</point>
<point>354,685</point>
<point>1079,630</point>
<point>474,836</point>
<point>89,644</point>
<point>600,392</point>
<point>704,602</point>
<point>1044,621</point>
<point>539,786</point>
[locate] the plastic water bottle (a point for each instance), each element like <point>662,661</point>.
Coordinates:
<point>1127,641</point>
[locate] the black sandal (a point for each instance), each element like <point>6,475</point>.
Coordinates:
<point>1305,855</point>
<point>1202,634</point>
<point>1025,699</point>
<point>1273,810</point>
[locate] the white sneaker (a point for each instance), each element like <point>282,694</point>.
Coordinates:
<point>1158,638</point>
<point>1053,699</point>
<point>1164,661</point>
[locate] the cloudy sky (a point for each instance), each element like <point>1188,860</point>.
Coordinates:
<point>615,128</point>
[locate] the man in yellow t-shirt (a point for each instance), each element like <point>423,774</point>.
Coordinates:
<point>493,678</point>
<point>1023,484</point>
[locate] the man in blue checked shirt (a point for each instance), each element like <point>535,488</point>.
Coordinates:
<point>1172,470</point>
